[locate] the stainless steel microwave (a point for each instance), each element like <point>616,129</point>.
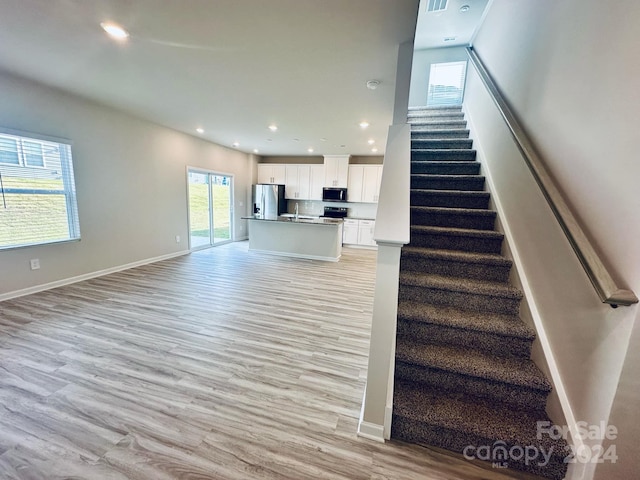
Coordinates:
<point>332,194</point>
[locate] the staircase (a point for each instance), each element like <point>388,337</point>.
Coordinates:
<point>463,377</point>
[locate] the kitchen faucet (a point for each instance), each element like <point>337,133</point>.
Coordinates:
<point>296,210</point>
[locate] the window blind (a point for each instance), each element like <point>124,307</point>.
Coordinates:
<point>446,84</point>
<point>37,192</point>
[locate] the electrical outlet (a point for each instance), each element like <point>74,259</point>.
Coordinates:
<point>177,238</point>
<point>35,263</point>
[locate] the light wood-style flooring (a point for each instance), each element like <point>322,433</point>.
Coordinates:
<point>222,364</point>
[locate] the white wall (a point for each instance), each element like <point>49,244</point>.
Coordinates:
<point>569,70</point>
<point>130,178</point>
<point>422,60</point>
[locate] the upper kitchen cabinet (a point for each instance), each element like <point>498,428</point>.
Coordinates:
<point>271,173</point>
<point>336,170</point>
<point>297,182</point>
<point>304,182</point>
<point>316,182</point>
<point>364,183</point>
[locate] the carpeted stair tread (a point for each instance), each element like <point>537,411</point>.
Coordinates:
<point>495,323</point>
<point>428,197</point>
<point>474,212</point>
<point>464,285</point>
<point>440,133</point>
<point>489,259</point>
<point>427,124</point>
<point>459,232</point>
<point>455,263</point>
<point>445,168</point>
<point>441,143</point>
<point>444,152</point>
<point>506,369</point>
<point>480,418</point>
<point>432,108</point>
<point>439,217</point>
<point>458,183</point>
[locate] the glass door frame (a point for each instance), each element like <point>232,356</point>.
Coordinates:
<point>211,173</point>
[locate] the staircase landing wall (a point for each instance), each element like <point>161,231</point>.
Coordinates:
<point>573,93</point>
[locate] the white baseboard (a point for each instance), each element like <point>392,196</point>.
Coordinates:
<point>388,417</point>
<point>87,276</point>
<point>371,431</point>
<point>241,239</point>
<point>579,471</point>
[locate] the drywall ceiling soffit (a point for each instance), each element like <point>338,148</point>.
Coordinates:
<point>451,27</point>
<point>232,67</point>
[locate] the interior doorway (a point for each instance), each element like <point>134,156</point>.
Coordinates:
<point>210,208</point>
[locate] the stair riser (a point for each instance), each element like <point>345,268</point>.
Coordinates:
<point>444,155</point>
<point>435,266</point>
<point>436,380</point>
<point>427,126</point>
<point>443,133</point>
<point>463,300</point>
<point>456,242</point>
<point>435,199</point>
<point>430,183</point>
<point>428,435</point>
<point>444,143</point>
<point>418,118</point>
<point>453,168</point>
<point>437,219</point>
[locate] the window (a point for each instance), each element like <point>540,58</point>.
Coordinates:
<point>37,191</point>
<point>446,84</point>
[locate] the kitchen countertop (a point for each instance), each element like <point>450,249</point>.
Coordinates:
<point>311,221</point>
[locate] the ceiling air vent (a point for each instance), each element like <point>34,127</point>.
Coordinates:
<point>437,5</point>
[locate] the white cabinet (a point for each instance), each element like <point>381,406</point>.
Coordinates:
<point>304,182</point>
<point>364,183</point>
<point>354,185</point>
<point>297,178</point>
<point>336,170</point>
<point>365,232</point>
<point>271,173</point>
<point>358,232</point>
<point>371,183</point>
<point>350,231</point>
<point>316,181</point>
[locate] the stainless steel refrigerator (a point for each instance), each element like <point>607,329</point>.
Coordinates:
<point>268,201</point>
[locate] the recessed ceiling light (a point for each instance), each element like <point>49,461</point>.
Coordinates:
<point>374,149</point>
<point>465,8</point>
<point>296,139</point>
<point>371,141</point>
<point>273,128</point>
<point>200,130</point>
<point>364,125</point>
<point>236,144</point>
<point>310,150</point>
<point>342,146</point>
<point>373,84</point>
<point>323,139</point>
<point>114,30</point>
<point>255,150</point>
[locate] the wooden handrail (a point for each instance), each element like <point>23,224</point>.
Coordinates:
<point>598,274</point>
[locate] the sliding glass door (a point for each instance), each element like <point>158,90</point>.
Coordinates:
<point>210,208</point>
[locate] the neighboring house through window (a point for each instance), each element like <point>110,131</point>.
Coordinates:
<point>37,191</point>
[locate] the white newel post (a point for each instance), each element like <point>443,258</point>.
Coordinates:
<point>391,233</point>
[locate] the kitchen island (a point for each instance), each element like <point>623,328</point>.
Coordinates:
<point>302,237</point>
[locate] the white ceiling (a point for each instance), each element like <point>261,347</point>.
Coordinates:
<point>434,27</point>
<point>231,67</point>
